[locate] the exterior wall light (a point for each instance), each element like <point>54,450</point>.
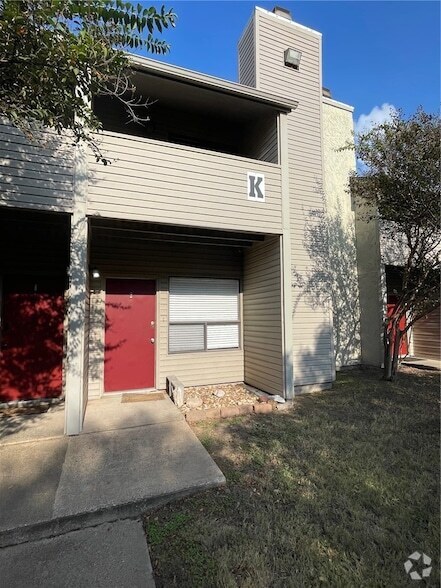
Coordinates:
<point>95,274</point>
<point>292,58</point>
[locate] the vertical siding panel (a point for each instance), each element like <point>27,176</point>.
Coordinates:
<point>262,316</point>
<point>312,330</point>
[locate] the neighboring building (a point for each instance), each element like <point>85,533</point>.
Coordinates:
<point>217,246</point>
<point>380,259</point>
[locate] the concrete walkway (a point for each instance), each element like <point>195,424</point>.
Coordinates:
<point>419,362</point>
<point>111,555</point>
<point>131,457</point>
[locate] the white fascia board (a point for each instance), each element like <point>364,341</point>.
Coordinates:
<point>218,84</point>
<point>337,104</point>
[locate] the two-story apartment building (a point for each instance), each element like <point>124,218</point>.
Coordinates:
<point>217,245</point>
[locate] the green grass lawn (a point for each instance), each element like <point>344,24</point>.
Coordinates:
<point>336,492</point>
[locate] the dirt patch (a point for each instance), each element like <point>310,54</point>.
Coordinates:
<point>12,411</point>
<point>205,397</point>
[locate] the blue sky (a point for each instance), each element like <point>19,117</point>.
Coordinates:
<point>374,53</point>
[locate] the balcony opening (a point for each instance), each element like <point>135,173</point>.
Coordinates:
<point>185,114</point>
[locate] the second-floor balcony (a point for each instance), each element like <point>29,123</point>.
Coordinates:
<point>208,156</point>
<point>167,183</point>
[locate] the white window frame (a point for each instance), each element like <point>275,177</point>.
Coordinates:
<point>206,324</point>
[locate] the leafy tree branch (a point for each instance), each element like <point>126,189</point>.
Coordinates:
<point>400,186</point>
<point>55,54</point>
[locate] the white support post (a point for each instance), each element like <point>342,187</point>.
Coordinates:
<point>77,320</point>
<point>286,266</point>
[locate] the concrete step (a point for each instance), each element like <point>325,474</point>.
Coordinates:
<point>56,486</point>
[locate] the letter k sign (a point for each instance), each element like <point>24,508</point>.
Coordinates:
<point>256,187</point>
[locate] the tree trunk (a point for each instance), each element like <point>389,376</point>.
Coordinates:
<point>387,341</point>
<point>396,351</point>
<point>392,340</point>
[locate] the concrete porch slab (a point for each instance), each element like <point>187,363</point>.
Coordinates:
<point>21,428</point>
<point>107,556</point>
<point>144,464</point>
<point>30,474</point>
<point>109,414</point>
<point>59,485</point>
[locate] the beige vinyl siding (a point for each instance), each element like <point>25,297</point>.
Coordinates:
<point>35,176</point>
<point>160,261</point>
<point>312,331</point>
<point>426,336</point>
<point>246,53</point>
<point>154,181</point>
<point>263,142</point>
<point>262,316</point>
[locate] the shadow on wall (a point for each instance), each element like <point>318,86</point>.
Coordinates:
<point>331,280</point>
<point>37,174</point>
<point>314,363</point>
<point>32,342</point>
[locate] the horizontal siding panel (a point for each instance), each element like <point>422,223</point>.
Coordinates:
<point>311,326</point>
<point>187,198</point>
<point>35,175</point>
<point>246,50</point>
<point>426,336</point>
<point>129,145</point>
<point>159,193</point>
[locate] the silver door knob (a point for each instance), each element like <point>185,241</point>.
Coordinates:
<point>152,340</point>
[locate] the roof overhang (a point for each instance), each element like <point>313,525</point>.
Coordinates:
<point>196,79</point>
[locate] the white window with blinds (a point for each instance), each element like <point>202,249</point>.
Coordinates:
<point>203,314</point>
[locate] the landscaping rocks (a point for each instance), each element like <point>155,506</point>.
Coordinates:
<point>232,400</point>
<point>194,416</point>
<point>219,393</point>
<point>263,407</point>
<point>194,402</point>
<point>206,397</point>
<point>233,411</point>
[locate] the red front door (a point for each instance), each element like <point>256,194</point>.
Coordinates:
<point>404,348</point>
<point>129,355</point>
<point>31,338</point>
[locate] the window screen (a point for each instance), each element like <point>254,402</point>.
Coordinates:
<point>203,314</point>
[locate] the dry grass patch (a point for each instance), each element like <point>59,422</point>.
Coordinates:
<point>336,492</point>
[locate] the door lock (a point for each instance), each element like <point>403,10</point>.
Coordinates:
<point>152,340</point>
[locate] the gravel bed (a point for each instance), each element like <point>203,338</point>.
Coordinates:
<point>204,397</point>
